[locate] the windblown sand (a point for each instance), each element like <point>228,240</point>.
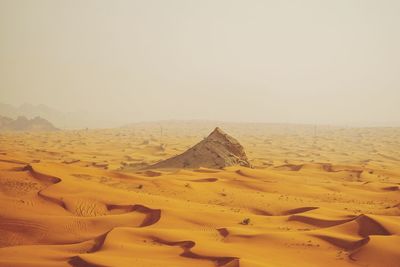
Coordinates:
<point>78,198</point>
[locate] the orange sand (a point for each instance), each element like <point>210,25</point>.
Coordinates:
<point>77,198</point>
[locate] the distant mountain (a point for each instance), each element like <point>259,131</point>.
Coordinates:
<point>27,110</point>
<point>31,111</point>
<point>24,124</point>
<point>218,150</point>
<point>69,120</point>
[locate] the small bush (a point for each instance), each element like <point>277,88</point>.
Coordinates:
<point>245,221</point>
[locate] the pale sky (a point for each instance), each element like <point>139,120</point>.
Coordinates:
<point>299,61</point>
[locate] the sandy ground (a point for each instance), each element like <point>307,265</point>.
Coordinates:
<point>315,197</point>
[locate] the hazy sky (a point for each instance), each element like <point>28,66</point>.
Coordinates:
<point>270,61</point>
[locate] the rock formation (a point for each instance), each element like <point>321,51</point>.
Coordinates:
<point>24,124</point>
<point>218,150</point>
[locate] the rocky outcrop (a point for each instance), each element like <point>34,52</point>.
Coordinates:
<point>24,124</point>
<point>218,150</point>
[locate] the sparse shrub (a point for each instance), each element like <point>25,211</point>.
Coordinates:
<point>245,221</point>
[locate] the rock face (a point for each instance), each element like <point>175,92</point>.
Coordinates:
<point>217,151</point>
<point>24,124</point>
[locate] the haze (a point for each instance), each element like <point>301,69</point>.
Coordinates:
<point>325,62</point>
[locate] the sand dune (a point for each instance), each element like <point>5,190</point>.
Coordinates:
<point>62,209</point>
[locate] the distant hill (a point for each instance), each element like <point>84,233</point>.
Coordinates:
<point>24,124</point>
<point>218,150</point>
<point>28,110</point>
<point>69,120</point>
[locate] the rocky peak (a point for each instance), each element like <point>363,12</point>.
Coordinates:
<point>218,150</point>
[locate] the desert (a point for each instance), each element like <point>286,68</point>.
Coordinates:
<point>95,198</point>
<point>203,133</point>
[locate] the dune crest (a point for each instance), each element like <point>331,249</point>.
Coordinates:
<point>65,201</point>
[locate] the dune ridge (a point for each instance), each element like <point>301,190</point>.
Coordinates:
<point>321,211</point>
